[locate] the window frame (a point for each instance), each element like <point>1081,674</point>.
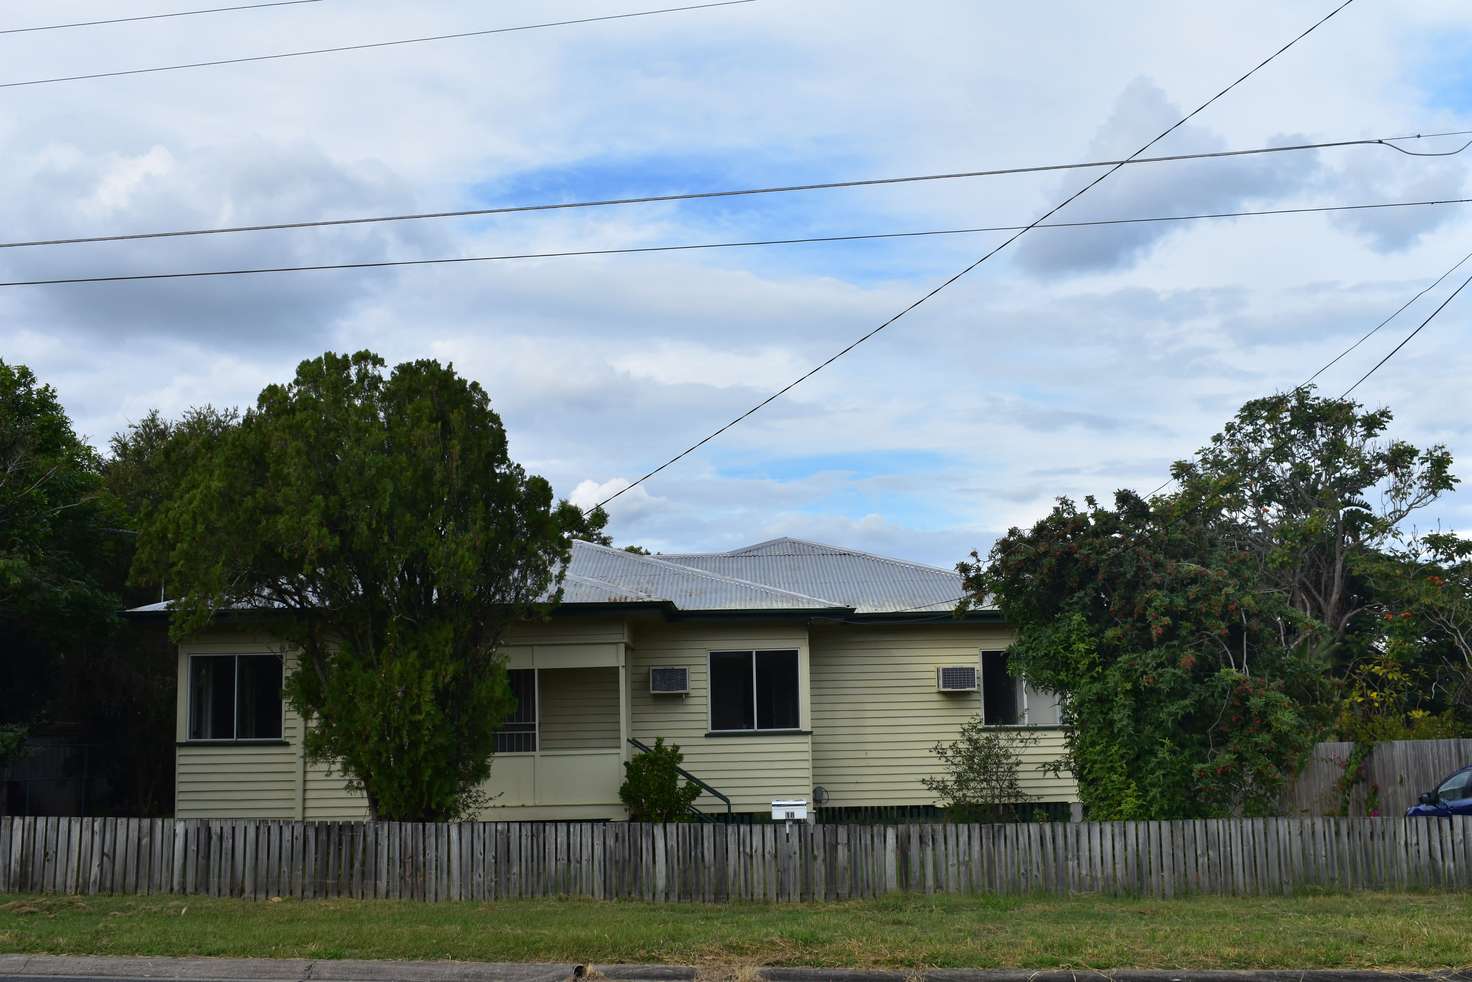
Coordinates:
<point>758,729</point>
<point>236,738</point>
<point>536,730</point>
<point>1024,691</point>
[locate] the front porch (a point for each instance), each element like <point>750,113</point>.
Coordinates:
<point>561,754</point>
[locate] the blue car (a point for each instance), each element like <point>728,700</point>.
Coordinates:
<point>1454,797</point>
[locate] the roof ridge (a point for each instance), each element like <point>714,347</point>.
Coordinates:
<point>709,575</point>
<point>842,550</point>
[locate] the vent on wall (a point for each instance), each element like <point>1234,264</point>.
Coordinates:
<point>956,678</point>
<point>668,681</point>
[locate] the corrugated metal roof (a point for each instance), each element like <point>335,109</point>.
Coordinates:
<point>781,574</point>
<point>868,583</point>
<point>686,587</point>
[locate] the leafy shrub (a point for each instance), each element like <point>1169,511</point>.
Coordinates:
<point>980,782</point>
<point>653,790</point>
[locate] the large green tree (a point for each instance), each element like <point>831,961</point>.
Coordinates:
<point>56,548</point>
<point>379,522</point>
<point>127,694</point>
<point>1199,639</point>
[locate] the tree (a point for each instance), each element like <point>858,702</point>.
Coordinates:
<point>55,545</point>
<point>653,790</point>
<point>377,519</point>
<point>127,695</point>
<point>1198,640</point>
<point>1411,677</point>
<point>982,769</point>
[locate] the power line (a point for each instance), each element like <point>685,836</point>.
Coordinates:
<point>751,243</point>
<point>740,192</point>
<point>1430,317</point>
<point>177,13</point>
<point>1361,340</point>
<point>1376,329</point>
<point>1165,527</point>
<point>988,255</point>
<point>375,44</point>
<point>1407,339</point>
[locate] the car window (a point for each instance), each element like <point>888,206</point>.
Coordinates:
<point>1458,787</point>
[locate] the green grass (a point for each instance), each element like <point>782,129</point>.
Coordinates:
<point>1317,931</point>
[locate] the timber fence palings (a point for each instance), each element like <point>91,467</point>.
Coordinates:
<point>260,859</point>
<point>1394,775</point>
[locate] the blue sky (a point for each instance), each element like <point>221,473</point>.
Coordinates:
<point>1074,364</point>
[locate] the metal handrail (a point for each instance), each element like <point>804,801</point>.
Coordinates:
<point>645,748</point>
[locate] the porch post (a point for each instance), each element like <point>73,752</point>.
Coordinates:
<point>625,727</point>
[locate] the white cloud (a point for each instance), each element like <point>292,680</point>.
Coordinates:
<point>1078,364</point>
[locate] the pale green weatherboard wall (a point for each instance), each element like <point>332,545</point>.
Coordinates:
<point>751,770</point>
<point>877,712</point>
<point>224,780</point>
<point>870,713</point>
<point>579,709</point>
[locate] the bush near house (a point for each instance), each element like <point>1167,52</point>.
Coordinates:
<point>653,789</point>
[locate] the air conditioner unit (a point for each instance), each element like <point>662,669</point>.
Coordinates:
<point>956,678</point>
<point>669,681</point>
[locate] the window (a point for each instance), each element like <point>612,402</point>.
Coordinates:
<point>1457,788</point>
<point>235,697</point>
<point>754,690</point>
<point>518,733</point>
<point>1007,700</point>
<point>999,703</point>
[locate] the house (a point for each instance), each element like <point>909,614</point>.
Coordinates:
<point>786,669</point>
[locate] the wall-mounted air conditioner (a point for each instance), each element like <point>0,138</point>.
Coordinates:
<point>956,678</point>
<point>668,680</point>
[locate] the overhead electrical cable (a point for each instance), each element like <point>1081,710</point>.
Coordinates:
<point>957,276</point>
<point>1408,338</point>
<point>375,44</point>
<point>921,608</point>
<point>177,13</point>
<point>1376,329</point>
<point>740,192</point>
<point>1361,340</point>
<point>750,243</point>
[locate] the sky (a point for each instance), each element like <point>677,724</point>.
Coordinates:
<point>1077,362</point>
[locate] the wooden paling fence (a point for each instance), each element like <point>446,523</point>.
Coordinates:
<point>1395,774</point>
<point>694,862</point>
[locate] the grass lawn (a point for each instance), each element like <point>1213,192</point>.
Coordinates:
<point>1358,931</point>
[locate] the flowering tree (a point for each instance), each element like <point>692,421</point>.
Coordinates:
<point>1199,640</point>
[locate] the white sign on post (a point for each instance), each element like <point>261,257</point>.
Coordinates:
<point>789,810</point>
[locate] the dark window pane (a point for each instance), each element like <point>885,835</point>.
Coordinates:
<point>260,698</point>
<point>212,698</point>
<point>998,691</point>
<point>776,690</point>
<point>731,691</point>
<point>518,733</point>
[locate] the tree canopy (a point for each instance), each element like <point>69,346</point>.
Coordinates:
<point>377,518</point>
<point>1201,641</point>
<point>56,551</point>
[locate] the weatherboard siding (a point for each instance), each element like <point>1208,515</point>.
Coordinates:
<point>751,770</point>
<point>869,715</point>
<point>326,796</point>
<point>579,709</point>
<point>223,779</point>
<point>877,714</point>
